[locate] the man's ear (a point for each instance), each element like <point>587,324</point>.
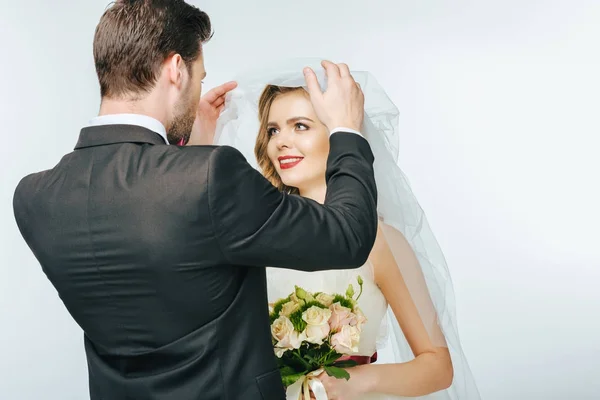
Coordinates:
<point>176,70</point>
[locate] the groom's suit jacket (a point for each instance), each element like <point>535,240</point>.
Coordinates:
<point>158,253</point>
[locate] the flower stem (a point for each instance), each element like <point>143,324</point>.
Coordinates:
<point>359,293</point>
<point>301,359</point>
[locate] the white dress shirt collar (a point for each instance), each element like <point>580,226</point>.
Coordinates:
<point>131,119</point>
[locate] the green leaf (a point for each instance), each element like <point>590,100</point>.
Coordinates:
<point>313,303</point>
<point>336,372</point>
<point>345,364</point>
<point>331,357</point>
<point>297,321</point>
<point>344,302</point>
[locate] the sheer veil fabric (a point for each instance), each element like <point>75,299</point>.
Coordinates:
<point>402,219</point>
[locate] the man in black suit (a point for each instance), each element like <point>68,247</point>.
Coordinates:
<point>158,251</point>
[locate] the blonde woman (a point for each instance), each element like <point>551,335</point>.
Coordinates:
<point>407,294</point>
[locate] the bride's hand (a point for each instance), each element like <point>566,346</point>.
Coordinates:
<point>341,389</point>
<point>209,109</point>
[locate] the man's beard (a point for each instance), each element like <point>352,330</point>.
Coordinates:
<point>178,132</point>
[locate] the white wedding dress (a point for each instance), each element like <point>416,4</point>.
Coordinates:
<point>401,218</point>
<point>281,282</point>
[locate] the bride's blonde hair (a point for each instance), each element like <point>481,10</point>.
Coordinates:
<point>267,97</point>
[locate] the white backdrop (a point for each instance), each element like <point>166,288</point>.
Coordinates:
<point>499,109</point>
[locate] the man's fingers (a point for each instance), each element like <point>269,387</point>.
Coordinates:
<point>332,70</point>
<point>344,70</point>
<point>212,94</point>
<point>359,87</point>
<point>219,101</point>
<point>312,83</point>
<point>219,91</point>
<point>223,89</point>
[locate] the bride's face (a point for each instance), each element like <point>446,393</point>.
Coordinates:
<point>298,142</point>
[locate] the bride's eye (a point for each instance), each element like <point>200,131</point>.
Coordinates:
<point>301,127</point>
<point>271,131</point>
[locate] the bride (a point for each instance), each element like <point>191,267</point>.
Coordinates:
<point>407,297</point>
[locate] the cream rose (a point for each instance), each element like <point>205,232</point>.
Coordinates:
<point>281,327</point>
<point>316,315</point>
<point>340,316</point>
<point>325,299</point>
<point>346,341</point>
<point>317,324</point>
<point>316,333</point>
<point>287,338</point>
<point>288,308</point>
<point>279,351</point>
<point>291,341</point>
<point>296,300</point>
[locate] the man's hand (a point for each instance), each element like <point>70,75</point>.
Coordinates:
<point>209,109</point>
<point>343,103</point>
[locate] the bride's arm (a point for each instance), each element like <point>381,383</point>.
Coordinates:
<point>406,292</point>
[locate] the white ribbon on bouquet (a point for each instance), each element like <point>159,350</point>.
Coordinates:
<point>300,390</point>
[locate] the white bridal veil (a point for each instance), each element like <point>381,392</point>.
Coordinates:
<point>430,285</point>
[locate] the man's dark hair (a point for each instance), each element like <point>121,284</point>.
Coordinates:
<point>134,38</point>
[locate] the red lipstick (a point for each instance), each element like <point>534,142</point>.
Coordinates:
<point>287,162</point>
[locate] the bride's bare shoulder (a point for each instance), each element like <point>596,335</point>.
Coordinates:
<point>390,248</point>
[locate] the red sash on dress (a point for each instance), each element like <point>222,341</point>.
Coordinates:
<point>360,360</point>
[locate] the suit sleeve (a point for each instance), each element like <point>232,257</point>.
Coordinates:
<point>256,225</point>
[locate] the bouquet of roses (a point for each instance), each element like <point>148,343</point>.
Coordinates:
<point>311,332</point>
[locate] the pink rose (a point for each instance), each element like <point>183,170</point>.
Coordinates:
<point>346,341</point>
<point>340,316</point>
<point>359,319</point>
